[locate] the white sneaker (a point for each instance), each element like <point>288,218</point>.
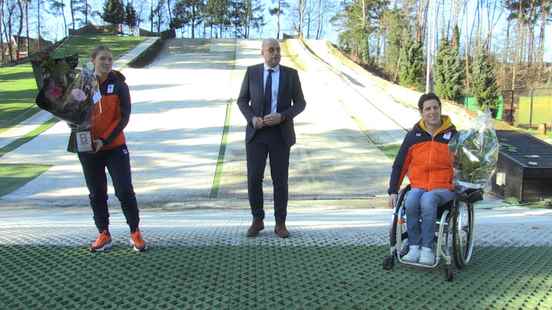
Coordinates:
<point>427,257</point>
<point>413,254</point>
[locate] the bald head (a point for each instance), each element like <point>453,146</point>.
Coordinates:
<point>271,52</point>
<point>270,41</point>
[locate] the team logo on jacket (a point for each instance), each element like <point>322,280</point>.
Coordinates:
<point>110,88</point>
<point>447,135</point>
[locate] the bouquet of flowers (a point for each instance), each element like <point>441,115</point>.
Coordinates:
<point>68,93</point>
<point>475,153</point>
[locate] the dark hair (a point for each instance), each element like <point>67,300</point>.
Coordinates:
<point>98,49</point>
<point>426,97</point>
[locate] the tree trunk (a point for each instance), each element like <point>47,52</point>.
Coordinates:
<point>151,15</point>
<point>531,34</point>
<point>20,30</point>
<point>540,57</point>
<point>278,20</point>
<point>38,21</point>
<point>193,21</point>
<point>421,16</point>
<point>169,9</point>
<point>308,26</point>
<point>319,24</point>
<point>27,26</point>
<point>72,7</point>
<point>1,35</point>
<point>8,31</point>
<point>159,21</point>
<point>302,17</point>
<point>249,13</point>
<point>86,12</point>
<point>467,56</point>
<point>506,54</point>
<point>62,9</point>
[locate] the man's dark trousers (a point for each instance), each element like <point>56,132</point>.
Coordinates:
<point>268,142</point>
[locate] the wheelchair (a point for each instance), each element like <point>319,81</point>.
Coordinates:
<point>454,232</point>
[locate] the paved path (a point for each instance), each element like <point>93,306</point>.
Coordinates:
<point>315,226</point>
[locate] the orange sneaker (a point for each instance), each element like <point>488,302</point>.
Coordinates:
<point>102,243</point>
<point>137,242</point>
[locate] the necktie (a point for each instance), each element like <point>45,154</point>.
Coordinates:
<point>268,93</point>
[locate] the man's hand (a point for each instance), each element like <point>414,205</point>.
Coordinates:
<point>98,144</point>
<point>392,201</point>
<point>257,122</point>
<point>272,119</point>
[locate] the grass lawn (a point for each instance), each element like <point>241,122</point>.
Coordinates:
<point>84,44</point>
<point>17,92</point>
<point>390,150</point>
<point>266,277</point>
<point>18,86</point>
<point>13,176</point>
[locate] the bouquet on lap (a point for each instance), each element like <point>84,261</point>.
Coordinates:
<point>69,93</point>
<point>475,153</point>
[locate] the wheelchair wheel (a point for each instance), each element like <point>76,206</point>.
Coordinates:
<point>462,233</point>
<point>397,233</point>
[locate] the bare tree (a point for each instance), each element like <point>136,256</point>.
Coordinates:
<point>170,13</point>
<point>140,10</point>
<point>299,16</point>
<point>72,8</point>
<point>323,8</point>
<point>278,11</point>
<point>27,26</point>
<point>8,26</point>
<point>1,35</point>
<point>545,13</point>
<point>421,19</point>
<point>38,2</point>
<point>57,8</point>
<point>20,30</point>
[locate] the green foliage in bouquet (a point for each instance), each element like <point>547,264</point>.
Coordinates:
<point>65,91</point>
<point>475,154</point>
<point>54,66</point>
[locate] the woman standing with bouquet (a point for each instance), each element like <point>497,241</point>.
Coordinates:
<point>109,115</point>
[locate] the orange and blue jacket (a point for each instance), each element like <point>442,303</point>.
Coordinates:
<point>110,116</point>
<point>425,159</point>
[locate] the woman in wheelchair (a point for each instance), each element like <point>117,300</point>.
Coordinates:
<point>425,158</point>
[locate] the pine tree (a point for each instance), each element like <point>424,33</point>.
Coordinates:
<point>411,64</point>
<point>485,88</point>
<point>131,18</point>
<point>114,12</point>
<point>449,72</point>
<point>393,21</point>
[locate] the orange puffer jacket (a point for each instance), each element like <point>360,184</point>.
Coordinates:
<point>425,159</point>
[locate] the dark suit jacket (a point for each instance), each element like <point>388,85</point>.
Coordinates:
<point>290,100</point>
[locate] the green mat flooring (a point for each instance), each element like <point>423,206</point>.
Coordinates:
<point>266,277</point>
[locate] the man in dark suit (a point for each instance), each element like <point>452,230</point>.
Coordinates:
<point>270,97</point>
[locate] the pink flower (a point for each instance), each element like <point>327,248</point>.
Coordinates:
<point>78,95</point>
<point>55,92</point>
